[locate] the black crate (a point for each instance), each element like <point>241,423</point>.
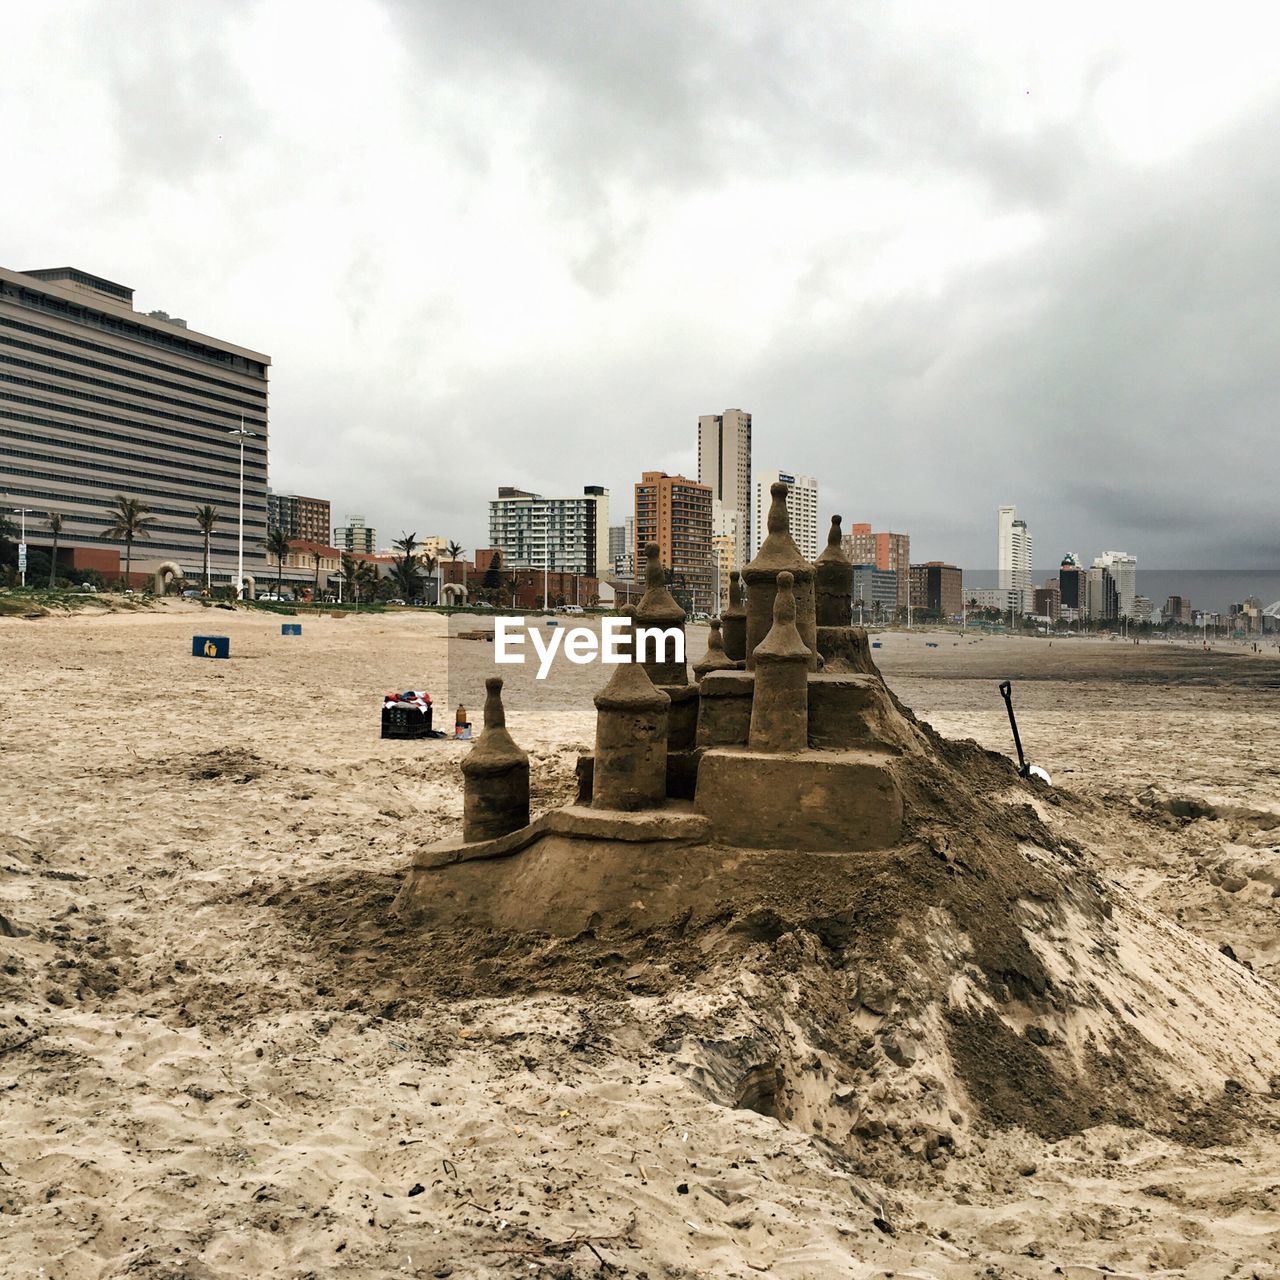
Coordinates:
<point>406,722</point>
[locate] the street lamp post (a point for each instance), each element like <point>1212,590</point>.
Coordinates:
<point>242,435</point>
<point>22,543</point>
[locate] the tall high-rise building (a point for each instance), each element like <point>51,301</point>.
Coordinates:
<point>675,512</point>
<point>307,518</point>
<point>1102,602</point>
<point>1013,550</point>
<point>802,508</point>
<point>874,587</point>
<point>355,537</point>
<point>1124,569</point>
<point>564,535</point>
<point>1072,587</point>
<point>891,551</point>
<point>724,463</point>
<point>97,399</point>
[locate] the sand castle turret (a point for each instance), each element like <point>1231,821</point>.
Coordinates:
<point>495,776</point>
<point>780,707</point>
<point>779,554</point>
<point>833,581</point>
<point>735,620</point>
<point>658,609</point>
<point>716,658</point>
<point>630,768</point>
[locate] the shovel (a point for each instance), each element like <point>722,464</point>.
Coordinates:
<point>1025,770</point>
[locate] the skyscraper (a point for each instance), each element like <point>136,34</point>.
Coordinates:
<point>724,464</point>
<point>355,537</point>
<point>1013,550</point>
<point>1124,569</point>
<point>802,508</point>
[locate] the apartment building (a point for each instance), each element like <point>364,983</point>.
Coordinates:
<point>675,512</point>
<point>886,551</point>
<point>724,463</point>
<point>567,535</point>
<point>802,510</point>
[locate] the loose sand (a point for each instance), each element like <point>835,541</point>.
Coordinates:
<point>221,1056</point>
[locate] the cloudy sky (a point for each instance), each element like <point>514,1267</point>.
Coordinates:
<point>947,255</point>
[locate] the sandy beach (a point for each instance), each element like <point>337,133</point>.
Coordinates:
<point>222,1056</point>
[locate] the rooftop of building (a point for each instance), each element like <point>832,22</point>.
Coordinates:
<point>93,293</point>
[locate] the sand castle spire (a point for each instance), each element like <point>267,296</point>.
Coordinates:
<point>659,608</point>
<point>778,554</point>
<point>495,794</point>
<point>734,620</point>
<point>833,581</point>
<point>780,707</point>
<point>716,658</point>
<point>630,767</point>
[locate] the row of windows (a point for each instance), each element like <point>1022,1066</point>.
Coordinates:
<point>71,393</point>
<point>134,489</point>
<point>7,356</point>
<point>254,519</point>
<point>252,465</point>
<point>135,332</point>
<point>156,465</point>
<point>131,357</point>
<point>254,449</point>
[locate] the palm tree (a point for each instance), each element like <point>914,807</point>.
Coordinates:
<point>55,528</point>
<point>206,518</point>
<point>131,518</point>
<point>350,575</point>
<point>454,550</point>
<point>405,573</point>
<point>316,556</point>
<point>277,544</point>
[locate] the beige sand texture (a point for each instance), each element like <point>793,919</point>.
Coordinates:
<point>222,1055</point>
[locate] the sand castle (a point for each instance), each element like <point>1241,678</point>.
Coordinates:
<point>785,738</point>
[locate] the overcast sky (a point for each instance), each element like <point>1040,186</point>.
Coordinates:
<point>948,255</point>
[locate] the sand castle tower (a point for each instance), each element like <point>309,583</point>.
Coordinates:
<point>735,620</point>
<point>659,612</point>
<point>779,554</point>
<point>495,776</point>
<point>630,770</point>
<point>833,581</point>
<point>780,706</point>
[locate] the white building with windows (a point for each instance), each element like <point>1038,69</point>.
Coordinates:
<point>564,535</point>
<point>724,463</point>
<point>802,507</point>
<point>1124,571</point>
<point>1013,550</point>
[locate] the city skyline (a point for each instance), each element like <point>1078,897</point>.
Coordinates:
<point>1059,283</point>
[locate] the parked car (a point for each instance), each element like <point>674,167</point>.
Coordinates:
<point>192,593</point>
<point>571,608</point>
<point>271,595</point>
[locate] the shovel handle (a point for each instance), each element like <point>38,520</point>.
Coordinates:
<point>1006,692</point>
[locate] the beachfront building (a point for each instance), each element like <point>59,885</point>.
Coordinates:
<point>675,512</point>
<point>1013,550</point>
<point>568,535</point>
<point>355,537</point>
<point>724,464</point>
<point>1102,603</point>
<point>1047,601</point>
<point>1072,590</point>
<point>1009,601</point>
<point>802,509</point>
<point>724,548</point>
<point>889,552</point>
<point>937,587</point>
<point>1124,572</point>
<point>97,399</point>
<point>875,593</point>
<point>309,519</point>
